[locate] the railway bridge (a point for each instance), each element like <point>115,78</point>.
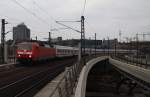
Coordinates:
<point>101,77</point>
<point>107,77</point>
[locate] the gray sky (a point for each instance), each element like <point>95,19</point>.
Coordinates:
<point>104,17</point>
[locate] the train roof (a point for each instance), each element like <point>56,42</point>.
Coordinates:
<point>65,47</point>
<point>47,45</point>
<point>27,43</point>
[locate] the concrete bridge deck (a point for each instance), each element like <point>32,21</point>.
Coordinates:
<point>136,74</point>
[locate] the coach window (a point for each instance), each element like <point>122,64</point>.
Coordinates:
<point>60,51</point>
<point>64,51</point>
<point>67,51</point>
<point>70,51</point>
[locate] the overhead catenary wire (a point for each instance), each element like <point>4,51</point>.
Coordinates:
<point>90,26</point>
<point>44,11</point>
<point>30,12</point>
<point>30,26</point>
<point>84,7</point>
<point>16,22</point>
<point>33,28</point>
<point>58,22</point>
<point>7,17</point>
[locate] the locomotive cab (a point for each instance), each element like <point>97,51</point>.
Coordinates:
<point>24,52</point>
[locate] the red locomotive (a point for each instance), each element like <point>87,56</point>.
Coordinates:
<point>37,51</point>
<point>33,51</point>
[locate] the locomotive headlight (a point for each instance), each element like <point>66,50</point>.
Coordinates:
<point>19,55</point>
<point>30,56</point>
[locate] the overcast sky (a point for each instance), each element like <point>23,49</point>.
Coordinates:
<point>104,17</point>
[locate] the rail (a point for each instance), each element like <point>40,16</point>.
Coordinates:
<point>21,87</point>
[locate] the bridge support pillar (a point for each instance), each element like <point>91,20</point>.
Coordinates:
<point>122,81</point>
<point>132,86</point>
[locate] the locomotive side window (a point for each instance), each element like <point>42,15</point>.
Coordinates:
<point>24,47</point>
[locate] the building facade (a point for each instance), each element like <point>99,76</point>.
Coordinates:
<point>109,44</point>
<point>75,43</point>
<point>21,33</point>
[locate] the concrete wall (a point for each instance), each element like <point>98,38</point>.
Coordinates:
<point>81,86</point>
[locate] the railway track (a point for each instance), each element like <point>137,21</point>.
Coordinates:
<point>8,66</point>
<point>22,87</point>
<point>9,76</point>
<point>103,81</point>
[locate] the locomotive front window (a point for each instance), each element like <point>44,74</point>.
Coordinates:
<point>24,47</point>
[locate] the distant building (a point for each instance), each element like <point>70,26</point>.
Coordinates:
<point>92,43</point>
<point>72,42</point>
<point>109,43</point>
<point>75,43</point>
<point>58,39</point>
<point>21,33</point>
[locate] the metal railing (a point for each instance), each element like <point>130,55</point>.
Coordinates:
<point>142,62</point>
<point>11,55</point>
<point>66,86</point>
<point>11,59</point>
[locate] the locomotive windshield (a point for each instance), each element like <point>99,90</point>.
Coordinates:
<point>24,47</point>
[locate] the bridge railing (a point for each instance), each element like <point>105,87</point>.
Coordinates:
<point>67,85</point>
<point>140,61</point>
<point>11,55</point>
<point>65,88</point>
<point>11,59</point>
